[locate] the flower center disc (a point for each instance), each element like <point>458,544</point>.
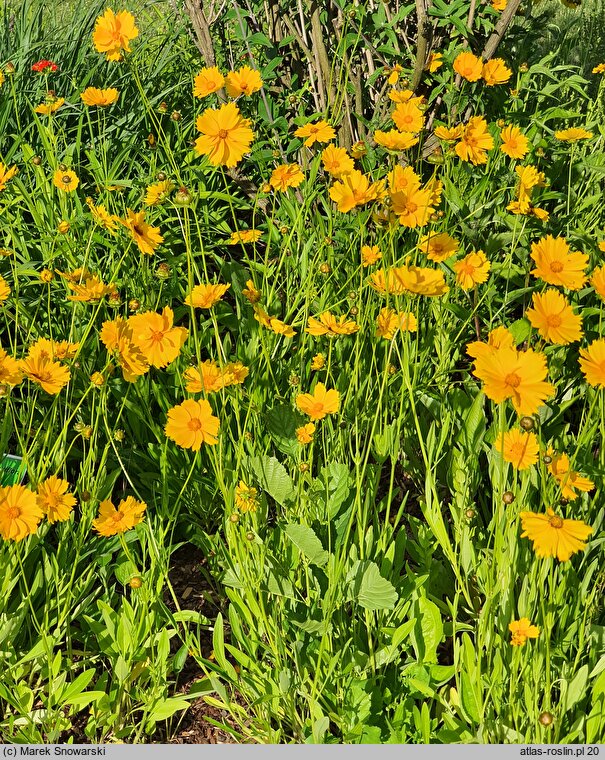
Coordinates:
<point>555,521</point>
<point>13,512</point>
<point>222,133</point>
<point>194,425</point>
<point>556,266</point>
<point>513,380</point>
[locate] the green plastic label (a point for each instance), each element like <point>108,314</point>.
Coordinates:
<point>12,470</point>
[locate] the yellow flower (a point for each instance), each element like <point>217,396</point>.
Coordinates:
<point>438,246</point>
<point>592,363</point>
<point>272,323</point>
<point>495,72</point>
<point>246,497</point>
<point>319,403</point>
<point>158,192</point>
<point>355,190</point>
<point>304,433</point>
<point>435,62</point>
<point>206,378</point>
<point>156,338</point>
<point>144,235</point>
<point>5,290</point>
<point>499,5</point>
<point>321,131</point>
<point>597,280</point>
<point>113,33</point>
<point>244,236</point>
<point>251,293</point>
<point>116,336</point>
<point>514,142</point>
<point>370,255</point>
<point>408,117</point>
<point>91,289</point>
<point>6,175</point>
<point>337,161</point>
<point>394,140</point>
<point>51,376</point>
<point>450,134</point>
<point>205,296</point>
<point>393,77</point>
<point>472,270</point>
<point>65,180</point>
<point>599,69</point>
<point>567,478</point>
<point>468,66</point>
<point>422,281</point>
<point>226,135</point>
<point>318,362</point>
<point>19,513</point>
<point>518,448</point>
<point>10,371</point>
<point>48,108</point>
<point>192,423</point>
<point>244,81</point>
<point>413,207</point>
<point>207,81</point>
<point>285,176</point>
<point>102,217</point>
<point>92,96</point>
<point>112,521</point>
<point>573,134</point>
<point>554,318</point>
<point>522,629</point>
<point>328,324</point>
<point>475,141</point>
<point>556,265</point>
<point>388,322</point>
<point>552,536</point>
<point>53,499</point>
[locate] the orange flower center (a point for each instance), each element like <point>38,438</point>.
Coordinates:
<point>222,133</point>
<point>468,71</point>
<point>412,207</point>
<point>13,512</point>
<point>555,521</point>
<point>517,450</point>
<point>556,266</point>
<point>408,118</point>
<point>467,268</point>
<point>513,380</point>
<point>194,425</point>
<point>118,516</point>
<point>512,143</point>
<point>156,336</point>
<point>554,320</point>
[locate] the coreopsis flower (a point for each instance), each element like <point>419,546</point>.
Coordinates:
<point>450,134</point>
<point>354,190</point>
<point>438,246</point>
<point>244,81</point>
<point>251,293</point>
<point>472,270</point>
<point>592,363</point>
<point>207,81</point>
<point>408,117</point>
<point>475,142</point>
<point>319,403</point>
<point>246,497</point>
<point>495,72</point>
<point>6,175</point>
<point>388,322</point>
<point>336,161</point>
<point>244,236</point>
<point>413,207</point>
<point>318,362</point>
<point>557,265</point>
<point>5,290</point>
<point>10,370</point>
<point>191,424</point>
<point>403,96</point>
<point>522,629</point>
<point>468,66</point>
<point>394,140</point>
<point>156,338</point>
<point>44,348</point>
<point>102,217</point>
<point>359,149</point>
<point>569,480</point>
<point>320,131</point>
<point>285,176</point>
<point>206,295</point>
<point>44,65</point>
<point>65,180</point>
<point>54,500</point>
<point>599,69</point>
<point>50,375</point>
<point>226,135</point>
<point>116,336</point>
<point>52,104</point>
<point>514,142</point>
<point>554,318</point>
<point>20,514</point>
<point>91,290</point>
<point>553,536</point>
<point>370,254</point>
<point>113,33</point>
<point>422,281</point>
<point>434,62</point>
<point>304,433</point>
<point>385,282</point>
<point>328,324</point>
<point>114,520</point>
<point>519,448</point>
<point>92,96</point>
<point>272,323</point>
<point>144,235</point>
<point>597,280</point>
<point>158,192</point>
<point>515,375</point>
<point>393,77</point>
<point>499,5</point>
<point>206,378</point>
<point>573,134</point>
<point>235,373</point>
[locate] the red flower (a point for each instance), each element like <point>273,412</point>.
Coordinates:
<point>44,64</point>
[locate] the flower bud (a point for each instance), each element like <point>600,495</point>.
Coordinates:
<point>353,311</point>
<point>63,168</point>
<point>547,459</point>
<point>234,518</point>
<point>46,275</point>
<point>325,268</point>
<point>303,467</point>
<point>175,116</point>
<point>36,160</point>
<point>162,176</point>
<point>250,536</point>
<point>163,271</point>
<point>63,226</point>
<point>135,582</point>
<point>182,197</point>
<point>469,514</point>
<point>134,304</point>
<point>508,497</point>
<point>546,718</point>
<point>527,423</point>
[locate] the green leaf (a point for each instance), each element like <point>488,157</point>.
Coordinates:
<point>428,630</point>
<point>273,478</point>
<point>282,422</point>
<point>376,592</point>
<point>304,538</point>
<point>469,698</point>
<point>576,688</point>
<point>166,708</point>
